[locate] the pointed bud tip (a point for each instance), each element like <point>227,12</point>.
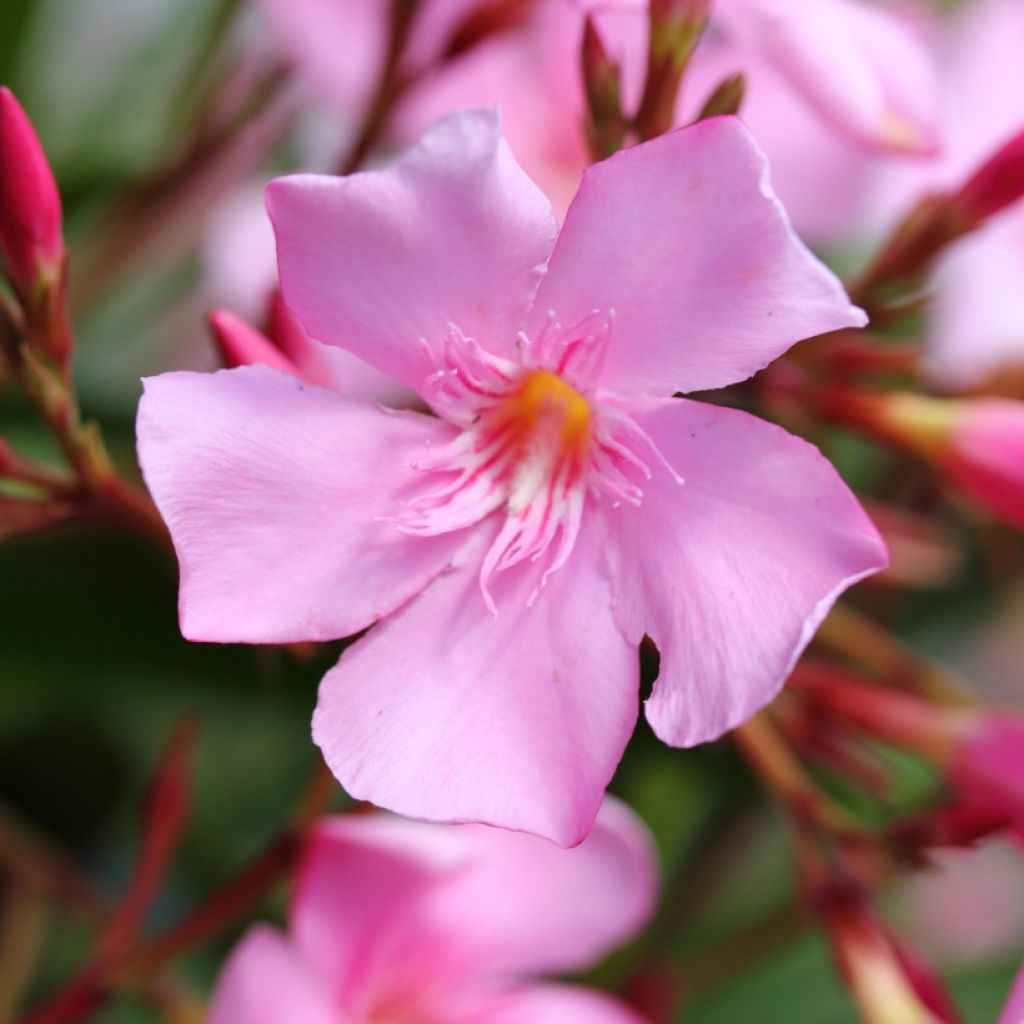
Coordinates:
<point>240,344</point>
<point>31,237</point>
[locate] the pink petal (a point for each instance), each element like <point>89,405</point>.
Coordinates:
<point>556,1004</point>
<point>383,263</point>
<point>265,982</point>
<point>1013,1012</point>
<point>977,321</point>
<point>380,898</point>
<point>359,909</point>
<point>273,491</point>
<point>449,714</point>
<point>863,69</point>
<point>731,572</point>
<point>524,906</point>
<point>337,45</point>
<point>684,240</point>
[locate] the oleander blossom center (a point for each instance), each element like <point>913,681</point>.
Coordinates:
<point>536,439</point>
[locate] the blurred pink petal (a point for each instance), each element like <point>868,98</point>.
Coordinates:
<point>556,1004</point>
<point>470,901</point>
<point>265,981</point>
<point>856,65</point>
<point>1013,1012</point>
<point>273,492</point>
<point>731,573</point>
<point>397,920</point>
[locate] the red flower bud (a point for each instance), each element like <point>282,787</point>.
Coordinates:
<point>995,185</point>
<point>31,241</point>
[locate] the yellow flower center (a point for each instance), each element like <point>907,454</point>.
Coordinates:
<point>544,403</point>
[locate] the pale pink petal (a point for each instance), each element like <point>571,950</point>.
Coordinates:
<point>360,910</point>
<point>977,320</point>
<point>1013,1012</point>
<point>447,713</point>
<point>707,281</point>
<point>380,897</point>
<point>863,69</point>
<point>265,982</point>
<point>524,906</point>
<point>240,269</point>
<point>383,263</point>
<point>277,495</point>
<point>338,46</point>
<point>555,1004</point>
<point>732,571</point>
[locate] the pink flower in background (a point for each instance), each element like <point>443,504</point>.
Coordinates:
<point>835,80</point>
<point>559,505</point>
<point>977,322</point>
<point>394,920</point>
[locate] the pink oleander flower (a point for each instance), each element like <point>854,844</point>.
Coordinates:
<point>974,327</point>
<point>396,921</point>
<point>557,506</point>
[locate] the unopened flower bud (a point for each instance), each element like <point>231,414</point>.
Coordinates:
<point>890,984</point>
<point>242,345</point>
<point>977,444</point>
<point>606,126</point>
<point>675,29</point>
<point>987,766</point>
<point>31,240</point>
<point>725,98</point>
<point>995,185</point>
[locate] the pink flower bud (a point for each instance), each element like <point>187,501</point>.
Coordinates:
<point>985,457</point>
<point>242,345</point>
<point>996,184</point>
<point>887,981</point>
<point>31,241</point>
<point>987,768</point>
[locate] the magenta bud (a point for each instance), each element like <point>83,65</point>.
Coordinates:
<point>31,240</point>
<point>987,769</point>
<point>985,456</point>
<point>998,183</point>
<point>242,345</point>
